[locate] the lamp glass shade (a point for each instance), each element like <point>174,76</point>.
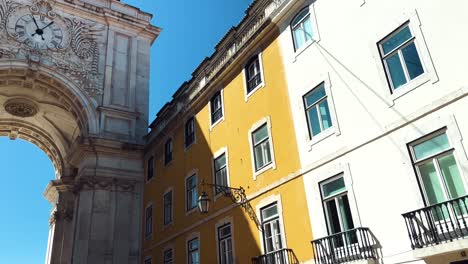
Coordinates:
<point>203,203</point>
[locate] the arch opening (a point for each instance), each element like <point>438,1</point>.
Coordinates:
<point>44,108</point>
<point>26,170</point>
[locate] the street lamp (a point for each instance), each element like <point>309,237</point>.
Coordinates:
<point>203,203</point>
<point>237,196</point>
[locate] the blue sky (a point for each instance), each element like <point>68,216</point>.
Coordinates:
<point>191,29</point>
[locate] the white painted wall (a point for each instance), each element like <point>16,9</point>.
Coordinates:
<point>372,127</point>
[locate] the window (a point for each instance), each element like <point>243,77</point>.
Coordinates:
<point>261,147</point>
<point>168,150</point>
<point>400,57</point>
<point>189,132</point>
<point>272,238</point>
<point>193,251</point>
<point>149,221</point>
<point>148,261</point>
<point>192,195</point>
<point>168,257</point>
<point>216,107</point>
<point>253,74</point>
<point>337,211</point>
<point>301,27</point>
<point>225,245</point>
<point>150,168</point>
<point>167,208</point>
<point>220,173</point>
<point>317,111</point>
<point>437,168</point>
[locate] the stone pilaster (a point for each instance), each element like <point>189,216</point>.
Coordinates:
<point>61,194</point>
<point>107,225</point>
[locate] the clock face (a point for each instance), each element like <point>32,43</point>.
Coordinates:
<point>39,32</point>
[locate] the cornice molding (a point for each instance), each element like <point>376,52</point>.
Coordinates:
<point>258,16</point>
<point>113,12</point>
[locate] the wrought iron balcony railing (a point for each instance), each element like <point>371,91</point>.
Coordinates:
<point>282,256</point>
<point>442,222</point>
<point>351,245</point>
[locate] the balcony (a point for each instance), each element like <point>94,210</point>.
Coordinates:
<point>439,224</point>
<point>282,256</point>
<point>357,244</point>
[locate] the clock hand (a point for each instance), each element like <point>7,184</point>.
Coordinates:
<point>47,25</point>
<point>35,22</point>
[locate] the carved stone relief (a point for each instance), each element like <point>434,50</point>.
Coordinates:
<point>104,183</point>
<point>38,34</point>
<point>20,107</point>
<point>63,214</point>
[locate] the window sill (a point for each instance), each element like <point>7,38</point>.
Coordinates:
<point>187,148</point>
<point>216,123</point>
<point>261,85</point>
<point>219,195</point>
<point>408,87</point>
<point>149,237</point>
<point>168,225</point>
<point>270,166</point>
<point>150,180</point>
<point>190,211</point>
<point>298,52</point>
<point>322,136</point>
<point>169,163</point>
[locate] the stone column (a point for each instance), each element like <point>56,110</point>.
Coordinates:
<point>60,246</point>
<point>107,222</point>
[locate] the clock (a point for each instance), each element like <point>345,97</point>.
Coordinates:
<point>36,30</point>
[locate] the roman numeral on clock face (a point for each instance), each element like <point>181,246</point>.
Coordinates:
<point>54,43</point>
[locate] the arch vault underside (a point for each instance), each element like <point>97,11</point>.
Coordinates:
<point>74,81</point>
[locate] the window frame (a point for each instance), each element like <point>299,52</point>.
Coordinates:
<point>221,119</point>
<point>335,198</point>
<point>451,150</point>
<point>270,220</point>
<point>301,22</point>
<point>171,220</point>
<point>312,182</point>
<point>219,241</point>
<point>324,79</point>
<point>276,198</point>
<point>260,145</point>
<point>398,50</point>
<point>248,93</point>
<point>193,173</point>
<point>272,164</point>
<point>188,144</point>
<point>189,240</point>
<point>148,260</point>
<point>316,105</point>
<point>164,255</point>
<point>168,161</point>
<point>218,154</point>
<point>149,236</point>
<point>430,74</point>
<point>150,165</point>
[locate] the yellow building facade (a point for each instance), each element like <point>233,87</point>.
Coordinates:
<point>230,125</point>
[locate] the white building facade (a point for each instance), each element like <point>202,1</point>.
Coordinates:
<point>378,91</point>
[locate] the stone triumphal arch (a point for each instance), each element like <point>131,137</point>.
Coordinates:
<point>74,81</point>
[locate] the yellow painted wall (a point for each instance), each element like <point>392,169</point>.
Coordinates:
<point>269,101</point>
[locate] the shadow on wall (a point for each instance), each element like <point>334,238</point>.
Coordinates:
<point>188,224</point>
